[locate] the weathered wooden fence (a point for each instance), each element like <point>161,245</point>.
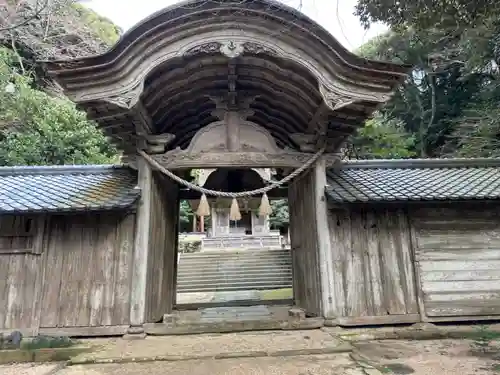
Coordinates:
<point>230,270</point>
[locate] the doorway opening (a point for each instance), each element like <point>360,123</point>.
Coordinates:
<point>234,263</point>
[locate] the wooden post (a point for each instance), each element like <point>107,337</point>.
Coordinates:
<point>202,224</point>
<point>141,251</point>
<point>195,226</point>
<point>324,246</point>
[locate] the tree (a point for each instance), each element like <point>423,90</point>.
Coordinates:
<point>453,81</point>
<point>279,218</point>
<point>424,14</point>
<point>382,138</point>
<point>37,129</point>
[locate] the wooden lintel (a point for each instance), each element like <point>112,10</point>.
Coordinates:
<point>178,159</point>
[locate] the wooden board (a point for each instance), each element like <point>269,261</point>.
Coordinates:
<point>87,280</point>
<point>304,243</point>
<point>162,259</point>
<point>458,259</point>
<point>372,265</point>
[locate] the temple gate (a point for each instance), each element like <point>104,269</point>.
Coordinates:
<point>230,85</point>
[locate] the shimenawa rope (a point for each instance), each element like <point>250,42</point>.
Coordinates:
<point>224,194</point>
<point>204,208</point>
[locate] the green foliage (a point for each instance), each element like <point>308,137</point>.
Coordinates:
<point>279,218</point>
<point>103,28</point>
<point>189,246</point>
<point>48,342</point>
<point>425,14</point>
<point>449,102</point>
<point>383,138</point>
<point>37,129</point>
<point>186,213</point>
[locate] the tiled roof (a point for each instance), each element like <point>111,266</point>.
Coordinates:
<point>66,188</point>
<point>414,180</point>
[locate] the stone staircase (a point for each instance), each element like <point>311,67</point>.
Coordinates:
<point>233,270</point>
<point>241,242</point>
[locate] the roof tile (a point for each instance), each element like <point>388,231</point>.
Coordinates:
<point>66,188</point>
<point>414,180</point>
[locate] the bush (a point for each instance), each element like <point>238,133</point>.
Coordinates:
<point>188,247</point>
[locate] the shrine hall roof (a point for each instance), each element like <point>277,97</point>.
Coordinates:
<point>66,188</point>
<point>366,181</point>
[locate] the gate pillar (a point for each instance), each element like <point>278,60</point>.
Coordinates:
<point>141,249</point>
<point>310,242</point>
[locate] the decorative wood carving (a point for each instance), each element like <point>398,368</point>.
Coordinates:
<point>206,48</point>
<point>155,143</point>
<point>180,159</point>
<point>230,48</point>
<point>127,99</point>
<point>333,100</point>
<point>251,137</point>
<point>306,142</point>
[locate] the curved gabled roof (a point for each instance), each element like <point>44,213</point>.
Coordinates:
<point>177,58</point>
<point>171,17</point>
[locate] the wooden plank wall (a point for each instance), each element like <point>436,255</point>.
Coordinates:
<point>373,272</point>
<point>304,245</point>
<point>20,273</point>
<point>162,261</point>
<point>458,260</point>
<point>88,270</point>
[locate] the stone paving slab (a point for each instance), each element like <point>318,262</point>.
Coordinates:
<point>30,369</point>
<point>265,343</point>
<point>338,364</point>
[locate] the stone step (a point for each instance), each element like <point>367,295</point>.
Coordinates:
<point>235,273</point>
<point>249,265</point>
<point>257,285</point>
<point>234,280</point>
<point>236,253</point>
<point>198,258</point>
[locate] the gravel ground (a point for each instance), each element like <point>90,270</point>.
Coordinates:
<point>433,357</point>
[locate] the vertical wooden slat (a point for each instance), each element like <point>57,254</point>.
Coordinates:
<point>373,263</point>
<point>336,247</point>
<point>374,248</point>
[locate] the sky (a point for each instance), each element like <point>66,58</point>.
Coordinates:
<point>334,15</point>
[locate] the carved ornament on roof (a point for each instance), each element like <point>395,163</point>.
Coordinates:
<point>206,48</point>
<point>127,99</point>
<point>334,100</point>
<point>230,48</point>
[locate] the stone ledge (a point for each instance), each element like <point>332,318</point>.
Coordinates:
<point>40,355</point>
<point>343,348</point>
<point>159,329</point>
<point>419,331</point>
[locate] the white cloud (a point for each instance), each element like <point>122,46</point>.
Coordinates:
<point>334,15</point>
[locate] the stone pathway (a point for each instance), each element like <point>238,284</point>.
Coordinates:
<point>260,344</point>
<point>278,352</point>
<point>301,365</point>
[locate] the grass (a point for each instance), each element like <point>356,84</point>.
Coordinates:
<point>267,295</point>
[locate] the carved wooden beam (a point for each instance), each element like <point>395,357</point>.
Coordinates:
<point>319,116</point>
<point>154,143</point>
<point>179,159</point>
<point>144,123</point>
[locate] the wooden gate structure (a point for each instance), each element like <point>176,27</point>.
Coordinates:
<point>92,250</point>
<point>248,84</point>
